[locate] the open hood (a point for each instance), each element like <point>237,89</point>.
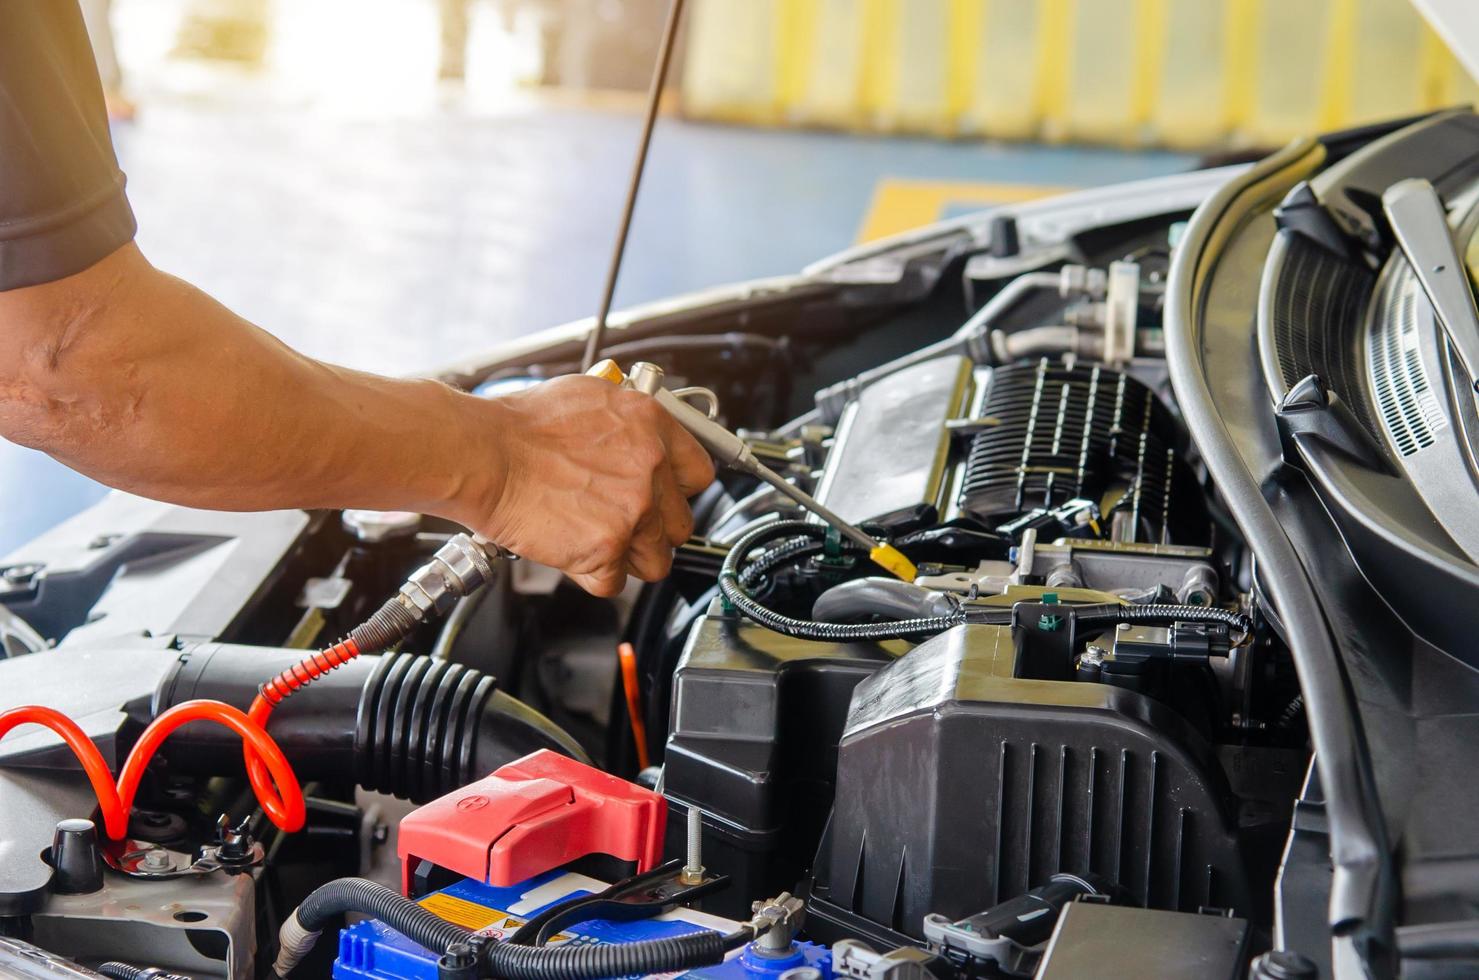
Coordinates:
<point>1457,22</point>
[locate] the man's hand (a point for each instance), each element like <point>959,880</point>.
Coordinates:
<point>594,481</point>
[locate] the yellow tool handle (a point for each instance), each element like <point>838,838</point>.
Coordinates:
<point>607,370</point>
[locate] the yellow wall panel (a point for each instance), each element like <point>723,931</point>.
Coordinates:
<point>1189,106</point>
<point>731,69</point>
<point>1101,75</point>
<point>921,86</point>
<point>832,96</point>
<point>1004,99</point>
<point>1386,80</point>
<point>1291,54</point>
<point>1184,73</point>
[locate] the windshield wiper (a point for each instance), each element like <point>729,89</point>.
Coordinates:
<point>1420,223</point>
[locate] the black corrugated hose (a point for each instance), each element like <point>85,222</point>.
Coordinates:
<point>325,904</point>
<point>642,958</point>
<point>328,902</point>
<point>123,971</point>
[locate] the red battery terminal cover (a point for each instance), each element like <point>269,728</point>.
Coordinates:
<point>531,816</point>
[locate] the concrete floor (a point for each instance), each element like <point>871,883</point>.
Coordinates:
<point>393,244</point>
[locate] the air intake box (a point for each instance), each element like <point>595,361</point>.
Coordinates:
<point>961,784</point>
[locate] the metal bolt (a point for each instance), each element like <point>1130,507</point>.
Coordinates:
<point>235,842</point>
<point>459,962</point>
<point>157,859</point>
<point>693,871</point>
<point>1094,656</point>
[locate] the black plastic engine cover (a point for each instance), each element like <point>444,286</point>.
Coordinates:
<point>960,785</point>
<point>755,724</point>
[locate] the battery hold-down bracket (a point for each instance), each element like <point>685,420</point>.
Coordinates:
<point>533,815</point>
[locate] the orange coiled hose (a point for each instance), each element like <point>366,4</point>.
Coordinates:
<point>272,693</point>
<point>278,792</point>
<point>306,671</point>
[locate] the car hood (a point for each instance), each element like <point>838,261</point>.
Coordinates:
<point>1457,23</point>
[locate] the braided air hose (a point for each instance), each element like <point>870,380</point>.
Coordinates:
<point>785,554</point>
<point>328,902</point>
<point>736,576</point>
<point>1165,613</point>
<point>735,593</point>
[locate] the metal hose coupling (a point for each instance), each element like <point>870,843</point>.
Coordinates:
<point>458,568</point>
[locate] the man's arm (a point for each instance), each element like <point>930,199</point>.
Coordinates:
<point>145,383</point>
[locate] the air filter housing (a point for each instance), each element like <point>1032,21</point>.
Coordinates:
<point>960,785</point>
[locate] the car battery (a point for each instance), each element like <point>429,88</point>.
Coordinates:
<point>507,843</point>
<point>369,950</point>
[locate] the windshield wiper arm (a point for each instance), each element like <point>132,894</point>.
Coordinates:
<point>1421,225</point>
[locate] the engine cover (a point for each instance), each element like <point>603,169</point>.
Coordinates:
<point>961,784</point>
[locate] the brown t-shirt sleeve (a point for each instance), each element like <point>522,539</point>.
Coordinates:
<point>62,205</point>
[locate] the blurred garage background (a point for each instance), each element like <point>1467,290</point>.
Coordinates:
<point>392,183</point>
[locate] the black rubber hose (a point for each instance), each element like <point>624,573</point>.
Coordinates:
<point>327,903</point>
<point>1364,890</point>
<point>123,971</point>
<point>737,596</point>
<point>400,724</point>
<point>648,956</point>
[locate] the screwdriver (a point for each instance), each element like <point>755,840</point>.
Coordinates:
<point>732,451</point>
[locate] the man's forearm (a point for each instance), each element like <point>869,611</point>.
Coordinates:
<point>148,384</point>
<point>145,383</point>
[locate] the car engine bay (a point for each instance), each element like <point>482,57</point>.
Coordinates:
<point>1084,737</point>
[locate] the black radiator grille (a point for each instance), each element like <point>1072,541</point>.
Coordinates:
<point>1061,432</point>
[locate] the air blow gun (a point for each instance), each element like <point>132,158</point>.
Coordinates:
<point>730,450</point>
